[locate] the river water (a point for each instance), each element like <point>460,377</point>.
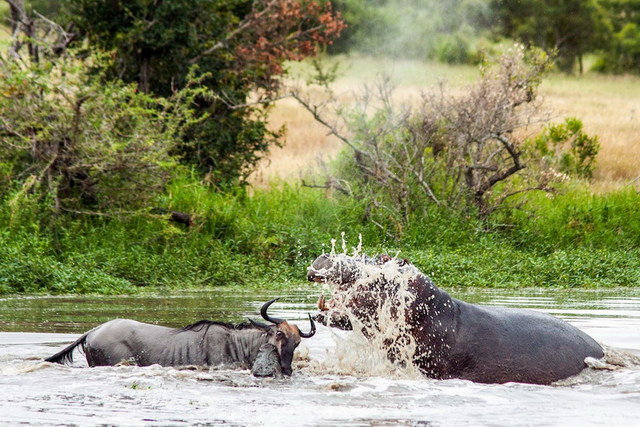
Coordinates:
<point>324,389</point>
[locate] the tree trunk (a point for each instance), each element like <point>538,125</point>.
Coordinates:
<point>21,23</point>
<point>145,72</point>
<point>580,64</point>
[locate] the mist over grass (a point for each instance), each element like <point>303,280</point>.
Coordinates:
<point>451,31</point>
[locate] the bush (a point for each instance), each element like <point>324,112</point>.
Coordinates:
<point>453,49</point>
<point>27,265</point>
<point>567,148</point>
<point>460,152</point>
<point>73,143</point>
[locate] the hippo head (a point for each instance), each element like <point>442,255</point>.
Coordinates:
<point>337,269</point>
<point>361,284</point>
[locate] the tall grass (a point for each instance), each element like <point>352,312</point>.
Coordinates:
<point>267,239</point>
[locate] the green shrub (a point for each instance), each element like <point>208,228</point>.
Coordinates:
<point>568,148</point>
<point>576,217</point>
<point>453,49</point>
<point>72,143</point>
<point>27,265</point>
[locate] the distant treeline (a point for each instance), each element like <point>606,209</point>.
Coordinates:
<point>461,31</point>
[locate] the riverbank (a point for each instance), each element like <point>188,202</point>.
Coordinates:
<point>575,238</point>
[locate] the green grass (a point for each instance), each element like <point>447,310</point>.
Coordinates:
<point>576,239</point>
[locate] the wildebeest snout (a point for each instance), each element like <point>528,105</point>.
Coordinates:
<point>267,363</point>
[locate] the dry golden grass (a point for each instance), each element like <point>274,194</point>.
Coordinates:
<point>306,143</point>
<point>609,106</point>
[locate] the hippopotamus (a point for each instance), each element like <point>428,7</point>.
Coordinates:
<point>450,338</point>
<point>267,363</point>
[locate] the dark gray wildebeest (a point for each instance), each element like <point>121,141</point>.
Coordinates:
<point>204,343</point>
<point>452,338</point>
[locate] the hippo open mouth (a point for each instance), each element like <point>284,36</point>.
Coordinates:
<point>342,273</point>
<point>331,316</point>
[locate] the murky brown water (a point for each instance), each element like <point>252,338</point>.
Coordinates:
<point>38,393</point>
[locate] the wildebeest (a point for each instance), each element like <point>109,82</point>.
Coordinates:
<point>204,343</point>
<point>451,338</point>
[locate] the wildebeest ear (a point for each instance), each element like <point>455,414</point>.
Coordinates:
<point>259,325</point>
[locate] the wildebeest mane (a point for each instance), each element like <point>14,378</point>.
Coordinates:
<point>199,325</point>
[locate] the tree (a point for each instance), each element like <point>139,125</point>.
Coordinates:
<point>622,53</point>
<point>446,30</point>
<point>241,45</point>
<point>465,152</point>
<point>570,28</point>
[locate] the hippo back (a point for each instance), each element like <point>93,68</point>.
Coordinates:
<point>498,344</point>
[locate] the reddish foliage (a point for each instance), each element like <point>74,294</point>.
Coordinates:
<point>283,30</point>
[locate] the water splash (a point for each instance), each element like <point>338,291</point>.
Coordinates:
<point>614,369</point>
<point>613,359</point>
<point>381,343</point>
<point>356,250</point>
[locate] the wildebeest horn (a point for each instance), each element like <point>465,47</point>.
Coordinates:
<point>265,315</point>
<point>313,329</point>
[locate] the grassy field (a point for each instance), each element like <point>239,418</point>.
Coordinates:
<point>609,107</point>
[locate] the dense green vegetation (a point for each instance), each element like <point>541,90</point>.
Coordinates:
<point>574,238</point>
